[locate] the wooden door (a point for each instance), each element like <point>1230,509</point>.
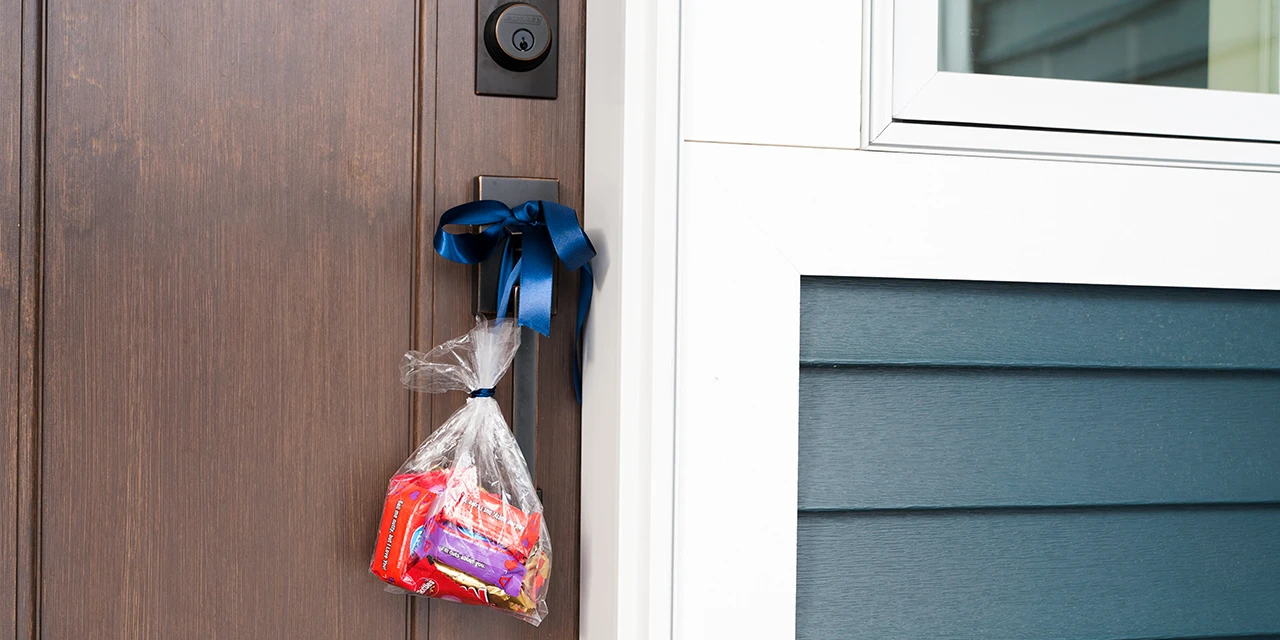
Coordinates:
<point>216,247</point>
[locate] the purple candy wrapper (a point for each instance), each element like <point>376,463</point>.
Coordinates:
<point>482,560</point>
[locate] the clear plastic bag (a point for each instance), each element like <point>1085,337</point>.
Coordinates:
<point>462,520</point>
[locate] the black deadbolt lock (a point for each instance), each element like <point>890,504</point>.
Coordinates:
<point>518,36</point>
<point>516,48</point>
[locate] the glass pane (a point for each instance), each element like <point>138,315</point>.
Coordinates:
<point>1204,44</point>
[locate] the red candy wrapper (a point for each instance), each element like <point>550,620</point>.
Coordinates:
<point>409,499</point>
<point>461,520</point>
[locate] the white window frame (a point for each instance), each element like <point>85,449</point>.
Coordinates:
<point>916,107</point>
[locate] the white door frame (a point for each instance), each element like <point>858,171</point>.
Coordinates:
<point>631,165</point>
<point>708,208</point>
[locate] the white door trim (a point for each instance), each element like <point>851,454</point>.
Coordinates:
<point>631,162</point>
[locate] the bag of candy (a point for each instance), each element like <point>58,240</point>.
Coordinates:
<point>462,520</point>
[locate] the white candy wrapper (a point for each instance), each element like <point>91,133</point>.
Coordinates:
<point>462,520</point>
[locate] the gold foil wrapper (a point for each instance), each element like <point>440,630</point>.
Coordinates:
<point>538,566</point>
<point>497,597</point>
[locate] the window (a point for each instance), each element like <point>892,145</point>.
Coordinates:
<point>1197,44</point>
<point>1148,81</point>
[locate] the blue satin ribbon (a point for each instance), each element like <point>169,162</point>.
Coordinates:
<point>548,231</point>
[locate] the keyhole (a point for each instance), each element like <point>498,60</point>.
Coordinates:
<point>523,39</point>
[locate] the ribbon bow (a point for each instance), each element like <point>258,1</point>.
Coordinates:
<point>548,230</point>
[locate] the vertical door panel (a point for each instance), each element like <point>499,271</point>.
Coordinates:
<point>484,135</point>
<point>229,258</point>
<point>10,206</point>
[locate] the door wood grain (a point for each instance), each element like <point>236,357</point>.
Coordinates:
<point>30,230</point>
<point>424,256</point>
<point>228,275</point>
<point>227,214</point>
<point>10,295</point>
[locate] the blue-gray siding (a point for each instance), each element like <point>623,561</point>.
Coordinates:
<point>976,324</point>
<point>1023,575</point>
<point>983,460</point>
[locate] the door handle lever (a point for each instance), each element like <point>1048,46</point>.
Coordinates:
<point>524,369</point>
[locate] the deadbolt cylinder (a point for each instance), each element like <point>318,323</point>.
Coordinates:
<point>518,36</point>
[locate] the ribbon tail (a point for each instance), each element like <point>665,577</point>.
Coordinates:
<point>538,258</point>
<point>571,242</point>
<point>586,284</point>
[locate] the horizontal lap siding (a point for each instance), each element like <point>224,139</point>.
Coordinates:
<point>860,321</point>
<point>985,460</point>
<point>874,438</point>
<point>1014,575</point>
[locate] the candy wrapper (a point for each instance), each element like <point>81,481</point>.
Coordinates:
<point>462,520</point>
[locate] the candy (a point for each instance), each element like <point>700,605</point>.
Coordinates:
<point>427,542</point>
<point>489,563</point>
<point>442,581</point>
<point>535,580</point>
<point>407,507</point>
<point>462,520</point>
<point>493,596</point>
<point>469,507</point>
<point>529,539</point>
<point>426,578</point>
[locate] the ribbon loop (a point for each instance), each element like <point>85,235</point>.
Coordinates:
<point>548,231</point>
